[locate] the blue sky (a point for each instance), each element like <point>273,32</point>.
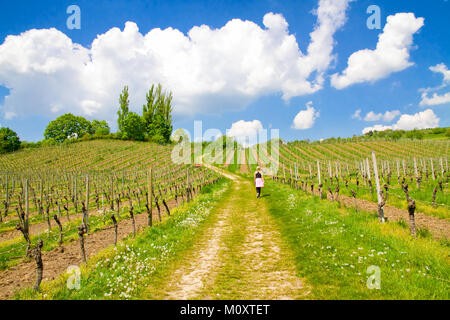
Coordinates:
<point>32,100</point>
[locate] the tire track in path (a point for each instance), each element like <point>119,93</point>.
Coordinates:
<point>240,255</point>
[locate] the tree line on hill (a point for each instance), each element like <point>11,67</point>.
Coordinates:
<point>154,125</point>
<point>393,135</point>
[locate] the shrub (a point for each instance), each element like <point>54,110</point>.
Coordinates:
<point>67,125</point>
<point>100,128</point>
<point>133,127</point>
<point>9,140</point>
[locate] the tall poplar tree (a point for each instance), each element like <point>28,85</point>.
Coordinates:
<point>124,103</point>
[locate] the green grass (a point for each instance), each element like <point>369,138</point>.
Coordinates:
<point>423,197</point>
<point>334,246</point>
<point>126,271</point>
<point>234,167</point>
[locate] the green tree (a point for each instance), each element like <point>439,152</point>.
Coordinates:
<point>133,127</point>
<point>67,125</point>
<point>438,130</point>
<point>124,104</point>
<point>396,135</point>
<point>100,128</point>
<point>157,114</point>
<point>9,140</point>
<point>447,133</point>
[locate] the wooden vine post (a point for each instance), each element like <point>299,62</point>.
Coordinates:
<point>86,212</point>
<point>150,197</point>
<point>310,174</point>
<point>432,169</point>
<point>320,181</point>
<point>187,185</point>
<point>329,170</point>
<point>418,178</point>
<point>337,171</point>
<point>381,202</point>
<point>295,171</point>
<point>75,195</point>
<point>415,170</point>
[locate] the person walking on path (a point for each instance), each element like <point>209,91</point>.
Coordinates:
<point>259,182</point>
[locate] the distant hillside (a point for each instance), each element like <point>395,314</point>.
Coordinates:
<point>88,155</point>
<point>394,135</point>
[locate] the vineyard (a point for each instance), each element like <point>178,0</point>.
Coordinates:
<point>381,172</point>
<point>141,227</point>
<point>401,185</point>
<point>60,202</point>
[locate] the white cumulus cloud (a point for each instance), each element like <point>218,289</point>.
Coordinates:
<point>391,54</point>
<point>442,68</point>
<point>421,120</point>
<point>378,127</point>
<point>357,115</point>
<point>305,119</point>
<point>208,70</point>
<point>245,132</point>
<point>388,116</point>
<point>437,99</point>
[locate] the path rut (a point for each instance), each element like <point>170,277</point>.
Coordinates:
<point>240,255</point>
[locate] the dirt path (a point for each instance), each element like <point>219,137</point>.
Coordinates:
<point>229,158</point>
<point>243,161</point>
<point>240,255</point>
<point>56,262</point>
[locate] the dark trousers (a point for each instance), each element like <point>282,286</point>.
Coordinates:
<point>258,192</point>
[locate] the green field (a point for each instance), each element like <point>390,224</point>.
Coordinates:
<point>219,241</point>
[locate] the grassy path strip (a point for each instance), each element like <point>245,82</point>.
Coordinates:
<point>334,247</point>
<point>124,272</point>
<point>239,255</point>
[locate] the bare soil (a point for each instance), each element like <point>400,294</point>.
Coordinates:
<point>58,260</point>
